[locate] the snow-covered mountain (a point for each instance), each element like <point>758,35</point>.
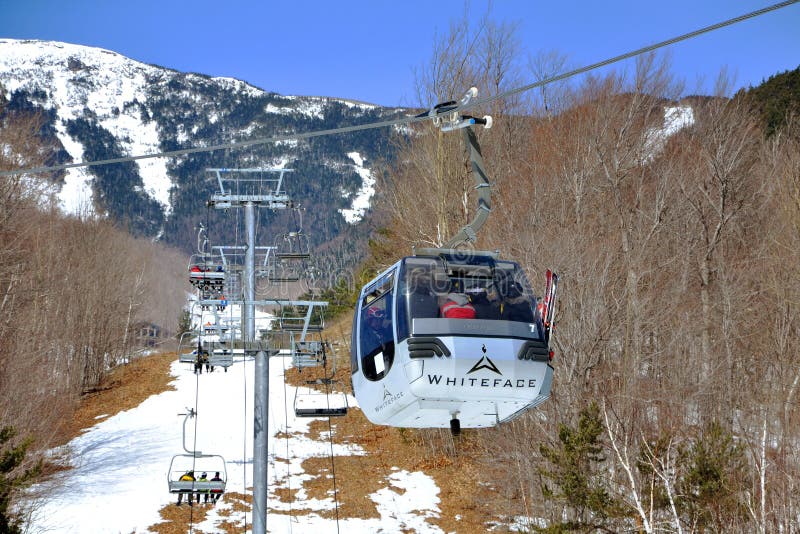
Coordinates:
<point>103,105</point>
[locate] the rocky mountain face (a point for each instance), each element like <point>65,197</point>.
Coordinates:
<point>99,105</point>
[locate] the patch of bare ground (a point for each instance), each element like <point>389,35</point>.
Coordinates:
<point>177,519</point>
<point>124,388</point>
<point>452,465</point>
<point>465,494</point>
<point>459,468</point>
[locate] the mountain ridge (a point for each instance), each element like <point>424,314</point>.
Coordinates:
<point>102,105</point>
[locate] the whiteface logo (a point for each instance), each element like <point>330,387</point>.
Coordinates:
<point>482,382</point>
<point>485,363</point>
<point>388,399</point>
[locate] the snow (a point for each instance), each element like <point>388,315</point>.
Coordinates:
<point>76,78</point>
<point>239,85</point>
<point>310,107</point>
<point>124,80</point>
<point>362,198</point>
<point>356,104</point>
<point>675,119</point>
<point>119,478</point>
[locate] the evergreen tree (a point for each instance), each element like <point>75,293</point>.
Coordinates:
<point>184,324</point>
<point>776,99</point>
<point>714,483</point>
<point>12,476</point>
<point>577,478</point>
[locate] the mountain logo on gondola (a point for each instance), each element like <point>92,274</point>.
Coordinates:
<point>485,363</point>
<point>388,399</point>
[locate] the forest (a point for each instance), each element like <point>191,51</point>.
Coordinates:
<point>72,291</point>
<point>674,223</point>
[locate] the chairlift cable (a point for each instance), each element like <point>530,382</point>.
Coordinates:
<point>286,433</point>
<point>244,426</point>
<point>408,119</point>
<point>194,444</point>
<point>244,434</point>
<point>330,438</point>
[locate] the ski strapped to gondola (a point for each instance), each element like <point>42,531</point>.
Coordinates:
<point>548,305</point>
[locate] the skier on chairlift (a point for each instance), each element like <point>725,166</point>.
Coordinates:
<point>188,476</point>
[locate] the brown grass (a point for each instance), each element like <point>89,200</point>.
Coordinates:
<point>457,467</point>
<point>124,388</point>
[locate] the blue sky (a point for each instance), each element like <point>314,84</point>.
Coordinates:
<point>368,49</point>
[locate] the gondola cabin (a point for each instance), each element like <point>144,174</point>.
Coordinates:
<point>449,338</point>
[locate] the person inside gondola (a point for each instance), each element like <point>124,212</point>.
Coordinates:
<point>515,305</point>
<point>188,476</point>
<point>422,299</point>
<point>457,306</point>
<point>379,328</point>
<point>485,307</point>
<point>377,343</point>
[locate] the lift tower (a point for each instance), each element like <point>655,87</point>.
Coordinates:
<point>248,188</point>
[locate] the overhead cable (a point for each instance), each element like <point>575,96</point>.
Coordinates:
<point>616,59</point>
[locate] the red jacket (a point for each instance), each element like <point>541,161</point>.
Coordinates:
<point>458,308</point>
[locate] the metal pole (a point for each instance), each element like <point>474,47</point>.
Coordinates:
<point>273,199</point>
<point>250,272</point>
<point>261,381</point>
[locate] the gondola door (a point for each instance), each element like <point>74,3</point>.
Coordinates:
<point>376,340</point>
<point>379,382</point>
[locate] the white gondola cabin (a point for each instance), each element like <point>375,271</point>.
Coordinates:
<point>449,338</point>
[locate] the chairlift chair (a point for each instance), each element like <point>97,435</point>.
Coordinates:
<point>313,403</point>
<point>215,329</point>
<point>205,273</point>
<point>292,246</point>
<point>197,463</point>
<point>293,319</point>
<point>283,271</point>
<point>221,357</point>
<point>307,353</point>
<point>187,347</point>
